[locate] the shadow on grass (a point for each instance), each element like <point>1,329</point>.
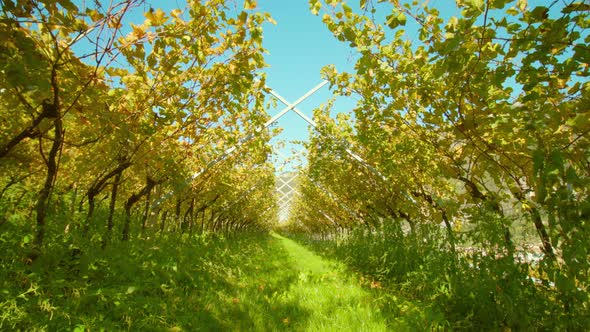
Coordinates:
<point>399,312</point>
<point>337,301</point>
<point>152,285</point>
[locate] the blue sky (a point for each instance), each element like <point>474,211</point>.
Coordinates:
<point>299,45</point>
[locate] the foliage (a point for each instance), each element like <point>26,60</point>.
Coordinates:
<point>445,291</point>
<point>115,168</point>
<point>179,282</point>
<point>170,282</point>
<point>469,136</point>
<point>103,113</point>
<point>132,152</point>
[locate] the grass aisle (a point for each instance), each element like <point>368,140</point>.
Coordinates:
<point>246,283</point>
<point>327,300</point>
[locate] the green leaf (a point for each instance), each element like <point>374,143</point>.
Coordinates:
<point>512,11</point>
<point>315,6</point>
<point>576,7</point>
<point>396,19</point>
<point>538,160</point>
<point>80,328</point>
<point>452,24</point>
<point>476,4</point>
<point>94,14</point>
<point>68,5</point>
<point>540,13</point>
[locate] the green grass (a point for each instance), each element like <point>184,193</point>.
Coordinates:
<point>247,283</point>
<point>425,286</point>
<point>251,282</point>
<point>332,300</point>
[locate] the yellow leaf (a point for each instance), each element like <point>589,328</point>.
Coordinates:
<point>376,284</point>
<point>157,17</point>
<point>249,4</point>
<point>137,32</point>
<point>114,22</point>
<point>175,13</point>
<point>94,15</point>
